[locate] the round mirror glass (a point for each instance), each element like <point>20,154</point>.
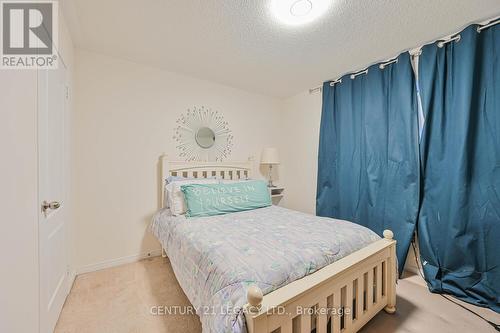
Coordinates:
<point>205,137</point>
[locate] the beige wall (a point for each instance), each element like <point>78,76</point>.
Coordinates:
<point>299,128</point>
<point>125,116</point>
<point>67,53</point>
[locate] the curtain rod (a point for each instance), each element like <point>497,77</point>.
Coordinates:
<point>413,51</point>
<point>490,24</point>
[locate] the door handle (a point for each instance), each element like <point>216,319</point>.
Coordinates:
<point>50,205</point>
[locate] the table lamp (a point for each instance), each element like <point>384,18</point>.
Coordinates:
<point>270,157</point>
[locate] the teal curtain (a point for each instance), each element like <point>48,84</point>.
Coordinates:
<point>459,220</point>
<point>368,163</point>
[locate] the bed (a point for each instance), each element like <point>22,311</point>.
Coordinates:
<point>273,269</point>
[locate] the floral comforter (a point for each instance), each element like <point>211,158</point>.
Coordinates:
<point>216,258</point>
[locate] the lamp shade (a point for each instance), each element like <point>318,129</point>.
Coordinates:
<point>270,156</point>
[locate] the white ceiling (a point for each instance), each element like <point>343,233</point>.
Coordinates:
<point>239,43</point>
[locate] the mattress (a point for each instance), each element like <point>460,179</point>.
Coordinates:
<point>216,258</point>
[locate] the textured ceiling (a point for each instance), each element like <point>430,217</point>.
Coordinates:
<point>239,43</point>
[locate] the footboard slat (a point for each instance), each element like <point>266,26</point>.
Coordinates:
<point>379,282</point>
<point>348,308</point>
<point>305,323</point>
<point>336,307</point>
<point>346,294</point>
<point>359,298</point>
<point>321,317</point>
<point>287,326</point>
<point>369,290</point>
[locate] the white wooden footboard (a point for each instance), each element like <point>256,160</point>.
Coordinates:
<point>345,295</point>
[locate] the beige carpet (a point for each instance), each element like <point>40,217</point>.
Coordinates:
<point>120,299</point>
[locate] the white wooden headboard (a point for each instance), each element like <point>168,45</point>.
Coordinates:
<point>223,170</point>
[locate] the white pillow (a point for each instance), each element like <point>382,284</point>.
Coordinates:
<point>175,197</point>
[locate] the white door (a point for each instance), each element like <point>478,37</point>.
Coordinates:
<point>52,183</point>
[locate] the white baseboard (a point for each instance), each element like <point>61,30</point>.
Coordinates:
<point>116,262</point>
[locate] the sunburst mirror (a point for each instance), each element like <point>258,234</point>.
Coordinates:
<point>202,134</point>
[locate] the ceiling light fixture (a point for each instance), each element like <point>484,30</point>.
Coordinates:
<point>301,8</point>
<point>297,12</point>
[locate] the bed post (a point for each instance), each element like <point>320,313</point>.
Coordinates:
<point>392,273</point>
<point>256,322</point>
<point>254,298</point>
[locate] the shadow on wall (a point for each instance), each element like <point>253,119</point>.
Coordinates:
<point>264,170</point>
<point>148,237</point>
<point>159,182</point>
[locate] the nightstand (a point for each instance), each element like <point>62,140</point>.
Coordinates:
<point>276,194</point>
